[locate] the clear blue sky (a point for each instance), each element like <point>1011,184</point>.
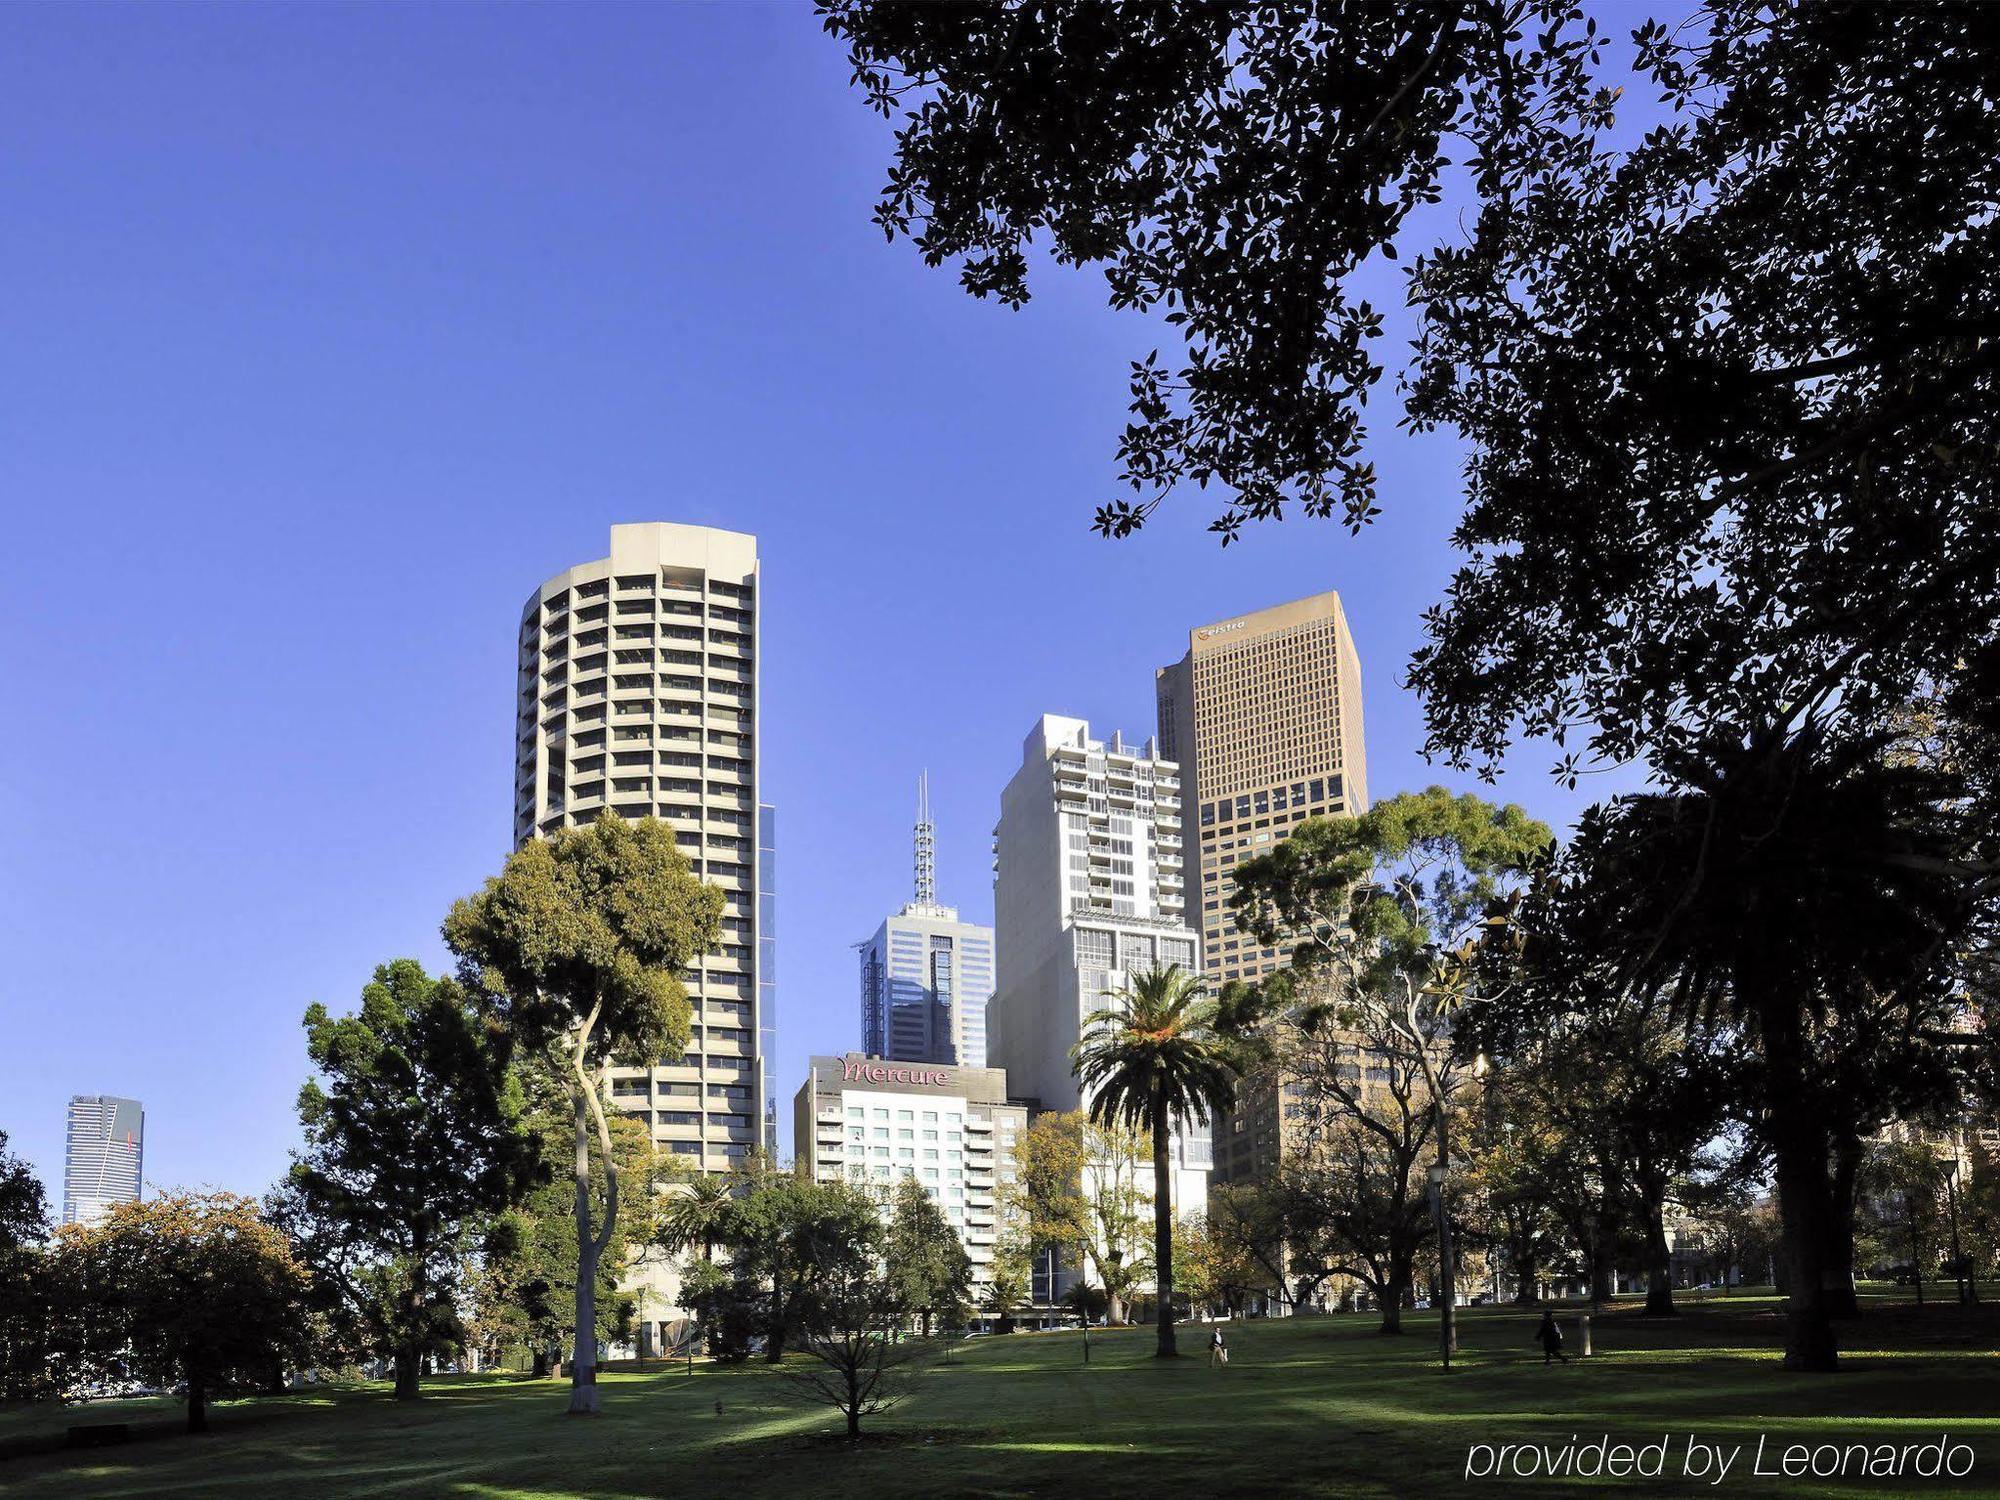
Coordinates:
<point>332,331</point>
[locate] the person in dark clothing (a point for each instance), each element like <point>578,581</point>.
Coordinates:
<point>1550,1337</point>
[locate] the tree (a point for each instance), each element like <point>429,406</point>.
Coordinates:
<point>1902,1197</point>
<point>923,1259</point>
<point>1617,1106</point>
<point>1250,1220</point>
<point>525,1294</point>
<point>795,1238</point>
<point>1151,1060</point>
<point>1232,166</point>
<point>1383,914</point>
<point>1077,1195</point>
<point>577,947</point>
<point>184,1287</point>
<point>1012,1280</point>
<point>27,1353</point>
<point>413,1141</point>
<point>696,1217</point>
<point>1212,1267</point>
<point>1800,893</point>
<point>855,1361</point>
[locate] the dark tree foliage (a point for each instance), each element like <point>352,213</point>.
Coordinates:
<point>1731,396</point>
<point>795,1239</point>
<point>1802,895</point>
<point>1230,166</point>
<point>413,1142</point>
<point>27,1368</point>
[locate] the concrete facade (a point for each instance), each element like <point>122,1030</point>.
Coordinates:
<point>1087,891</point>
<point>870,1121</point>
<point>1264,715</point>
<point>638,693</point>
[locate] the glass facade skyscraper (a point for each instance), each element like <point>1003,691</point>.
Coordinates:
<point>925,975</point>
<point>105,1160</point>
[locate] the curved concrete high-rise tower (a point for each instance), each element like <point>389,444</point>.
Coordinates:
<point>638,692</point>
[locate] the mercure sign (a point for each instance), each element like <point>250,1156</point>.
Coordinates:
<point>864,1070</point>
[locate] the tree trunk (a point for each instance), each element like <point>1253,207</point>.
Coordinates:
<point>1524,1270</point>
<point>853,1424</point>
<point>1805,1207</point>
<point>1841,1298</point>
<point>774,1335</point>
<point>539,1370</point>
<point>583,1363</point>
<point>1659,1258</point>
<point>1163,1228</point>
<point>197,1406</point>
<point>1392,1296</point>
<point>407,1375</point>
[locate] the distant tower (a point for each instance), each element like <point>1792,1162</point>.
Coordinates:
<point>1263,713</point>
<point>926,841</point>
<point>105,1160</point>
<point>925,975</point>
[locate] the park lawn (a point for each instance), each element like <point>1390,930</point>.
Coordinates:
<point>1319,1406</point>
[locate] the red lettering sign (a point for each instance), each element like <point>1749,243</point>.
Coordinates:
<point>858,1069</point>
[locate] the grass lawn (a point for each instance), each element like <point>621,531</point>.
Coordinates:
<point>1317,1406</point>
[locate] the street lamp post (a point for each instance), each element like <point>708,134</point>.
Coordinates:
<point>1967,1292</point>
<point>1447,1294</point>
<point>1590,1222</point>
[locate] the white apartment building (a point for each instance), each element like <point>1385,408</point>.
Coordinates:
<point>1088,890</point>
<point>872,1120</point>
<point>638,692</point>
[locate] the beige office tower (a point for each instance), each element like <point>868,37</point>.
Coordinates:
<point>1264,716</point>
<point>638,692</point>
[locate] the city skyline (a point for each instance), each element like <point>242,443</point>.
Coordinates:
<point>383,453</point>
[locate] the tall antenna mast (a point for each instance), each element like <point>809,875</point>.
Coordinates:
<point>926,844</point>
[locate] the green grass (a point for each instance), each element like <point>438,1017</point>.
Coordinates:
<point>1307,1407</point>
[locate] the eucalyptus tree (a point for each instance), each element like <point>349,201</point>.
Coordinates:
<point>577,947</point>
<point>1150,1060</point>
<point>1383,915</point>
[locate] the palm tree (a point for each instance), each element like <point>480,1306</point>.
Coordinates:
<point>1810,893</point>
<point>1151,1058</point>
<point>696,1216</point>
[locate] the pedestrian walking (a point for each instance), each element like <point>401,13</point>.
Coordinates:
<point>1218,1351</point>
<point>1550,1337</point>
